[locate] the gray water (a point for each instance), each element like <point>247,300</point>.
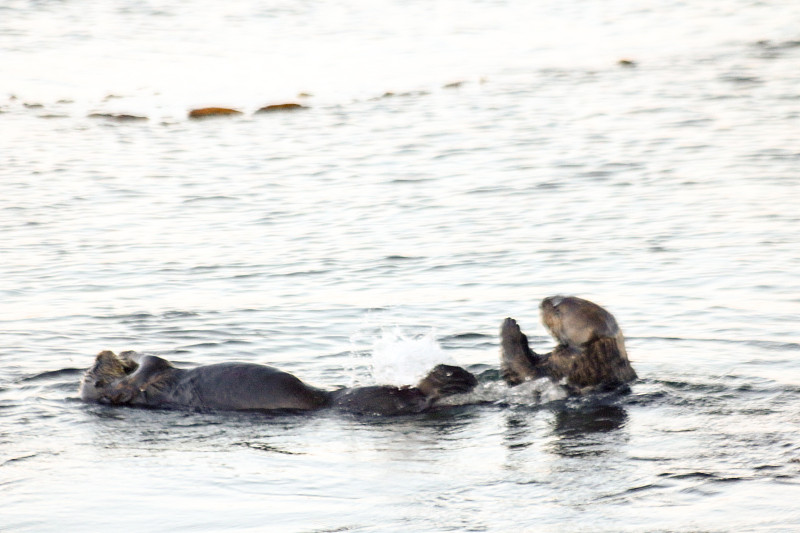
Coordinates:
<point>390,225</point>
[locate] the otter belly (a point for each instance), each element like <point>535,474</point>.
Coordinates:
<point>238,386</point>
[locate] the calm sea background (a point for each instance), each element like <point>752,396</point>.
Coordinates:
<point>458,161</point>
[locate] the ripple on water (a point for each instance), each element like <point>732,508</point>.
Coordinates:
<point>283,239</point>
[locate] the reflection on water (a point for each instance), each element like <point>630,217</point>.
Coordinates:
<point>594,419</point>
<point>573,429</point>
<point>576,429</point>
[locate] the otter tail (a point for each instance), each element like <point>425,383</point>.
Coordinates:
<point>517,360</point>
<point>446,380</point>
<point>603,365</point>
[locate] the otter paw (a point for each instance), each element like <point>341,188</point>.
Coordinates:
<point>516,363</point>
<point>510,329</point>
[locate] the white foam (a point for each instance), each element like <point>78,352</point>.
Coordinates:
<point>528,393</point>
<point>399,359</point>
<point>544,390</point>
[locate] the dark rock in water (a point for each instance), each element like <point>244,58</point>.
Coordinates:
<point>773,49</point>
<point>117,117</point>
<point>392,94</point>
<point>773,45</point>
<point>454,85</point>
<point>206,112</point>
<point>629,63</point>
<point>741,79</point>
<point>281,107</point>
<point>33,106</point>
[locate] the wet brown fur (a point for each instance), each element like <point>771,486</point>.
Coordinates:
<point>517,361</point>
<point>590,356</point>
<point>148,378</point>
<point>445,380</point>
<point>109,367</point>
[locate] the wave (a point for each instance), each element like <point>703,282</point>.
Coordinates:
<point>758,343</point>
<point>52,374</point>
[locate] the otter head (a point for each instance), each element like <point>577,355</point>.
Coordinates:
<point>575,322</point>
<point>108,368</point>
<point>446,380</point>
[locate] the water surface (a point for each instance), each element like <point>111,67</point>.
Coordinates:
<point>456,163</point>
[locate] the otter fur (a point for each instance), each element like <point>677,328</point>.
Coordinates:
<point>590,355</point>
<point>151,381</point>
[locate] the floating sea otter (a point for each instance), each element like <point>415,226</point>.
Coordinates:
<point>590,355</point>
<point>150,381</point>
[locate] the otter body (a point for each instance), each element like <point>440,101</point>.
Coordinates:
<point>590,355</point>
<point>150,381</point>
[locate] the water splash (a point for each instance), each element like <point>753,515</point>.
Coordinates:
<point>399,359</point>
<point>542,390</point>
<point>528,394</point>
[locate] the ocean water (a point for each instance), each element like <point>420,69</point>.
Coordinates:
<point>456,162</point>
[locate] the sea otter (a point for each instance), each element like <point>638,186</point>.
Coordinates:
<point>590,355</point>
<point>150,381</point>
